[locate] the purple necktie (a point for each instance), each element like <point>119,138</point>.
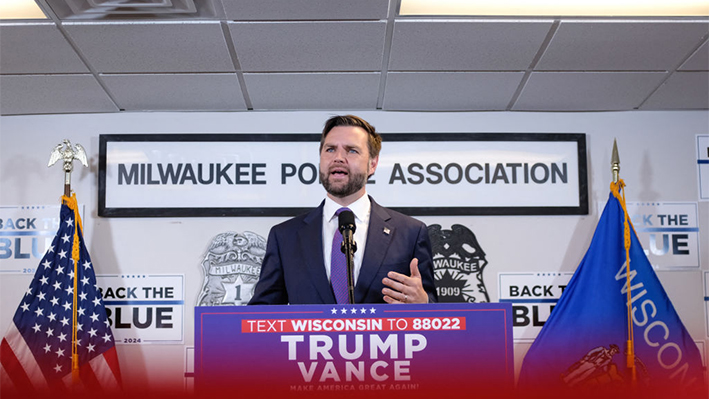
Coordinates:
<point>338,266</point>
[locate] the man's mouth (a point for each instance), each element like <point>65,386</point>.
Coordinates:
<point>338,173</point>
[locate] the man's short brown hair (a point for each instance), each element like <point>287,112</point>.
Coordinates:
<point>374,140</point>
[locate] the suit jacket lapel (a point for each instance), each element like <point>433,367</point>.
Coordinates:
<point>310,241</point>
<point>378,239</point>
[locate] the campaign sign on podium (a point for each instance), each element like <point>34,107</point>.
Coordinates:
<point>377,350</point>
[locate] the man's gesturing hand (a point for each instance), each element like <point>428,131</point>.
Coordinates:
<point>405,289</point>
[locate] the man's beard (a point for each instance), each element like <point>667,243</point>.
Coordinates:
<point>355,183</point>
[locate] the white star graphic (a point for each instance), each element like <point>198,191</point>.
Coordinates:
<point>36,328</point>
<point>69,222</point>
<point>82,296</point>
<point>51,248</point>
<point>39,312</point>
<point>65,238</point>
<point>58,368</point>
<point>363,310</point>
<point>49,332</point>
<point>62,337</point>
<point>353,311</point>
<point>334,311</point>
<point>71,273</point>
<point>67,305</point>
<point>60,352</point>
<point>47,348</point>
<point>372,310</point>
<point>44,280</point>
<point>92,332</point>
<point>232,290</point>
<point>29,291</point>
<point>96,301</point>
<point>47,264</point>
<point>343,311</point>
<point>94,317</point>
<point>57,285</point>
<point>60,270</point>
<point>54,301</point>
<point>90,348</point>
<point>84,281</point>
<point>81,311</point>
<point>69,290</point>
<point>107,337</point>
<point>87,264</point>
<point>42,296</point>
<point>52,316</point>
<point>25,307</point>
<point>64,321</point>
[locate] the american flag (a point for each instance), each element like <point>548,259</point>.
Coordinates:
<point>36,352</point>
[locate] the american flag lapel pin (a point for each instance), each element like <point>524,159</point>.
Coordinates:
<point>387,231</point>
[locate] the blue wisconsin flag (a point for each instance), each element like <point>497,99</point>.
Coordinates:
<point>582,348</point>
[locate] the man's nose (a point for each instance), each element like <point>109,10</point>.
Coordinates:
<point>340,155</point>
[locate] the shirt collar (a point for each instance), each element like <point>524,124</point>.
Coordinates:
<point>360,208</point>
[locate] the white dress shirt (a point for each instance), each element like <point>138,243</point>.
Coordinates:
<point>361,209</point>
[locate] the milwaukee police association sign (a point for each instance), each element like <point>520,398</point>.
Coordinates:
<point>277,174</point>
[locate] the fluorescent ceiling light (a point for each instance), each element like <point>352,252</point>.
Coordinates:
<point>581,8</point>
<point>20,9</point>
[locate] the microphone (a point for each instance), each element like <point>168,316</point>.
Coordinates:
<point>346,221</point>
<point>347,227</point>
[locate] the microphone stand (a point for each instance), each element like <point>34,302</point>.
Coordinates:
<point>349,247</point>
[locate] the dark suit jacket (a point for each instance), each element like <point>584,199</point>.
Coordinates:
<point>293,270</point>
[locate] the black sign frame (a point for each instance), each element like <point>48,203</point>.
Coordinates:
<point>578,138</point>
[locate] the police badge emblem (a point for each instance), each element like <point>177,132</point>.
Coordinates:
<point>458,263</point>
<point>231,267</point>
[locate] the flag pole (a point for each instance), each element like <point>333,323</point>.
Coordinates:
<point>68,153</point>
<point>630,344</point>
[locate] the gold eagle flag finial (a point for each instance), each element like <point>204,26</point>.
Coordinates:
<point>68,153</point>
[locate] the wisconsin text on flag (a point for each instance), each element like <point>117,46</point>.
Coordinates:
<point>36,353</point>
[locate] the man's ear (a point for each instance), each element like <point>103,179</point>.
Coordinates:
<point>373,165</point>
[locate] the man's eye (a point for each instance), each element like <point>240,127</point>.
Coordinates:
<point>353,151</point>
<point>329,149</point>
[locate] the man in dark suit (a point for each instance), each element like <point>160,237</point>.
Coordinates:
<point>393,261</point>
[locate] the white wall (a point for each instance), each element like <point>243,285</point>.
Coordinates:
<point>658,163</point>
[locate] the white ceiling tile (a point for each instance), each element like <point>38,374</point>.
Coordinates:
<point>463,45</point>
<point>450,91</point>
<point>36,48</point>
<point>609,45</point>
<point>52,94</point>
<point>699,61</point>
<point>262,10</point>
<point>279,91</point>
<point>586,91</point>
<point>176,92</point>
<point>309,46</point>
<point>683,90</point>
<point>153,47</point>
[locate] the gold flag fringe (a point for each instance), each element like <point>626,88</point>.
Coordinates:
<point>73,205</point>
<point>618,190</point>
